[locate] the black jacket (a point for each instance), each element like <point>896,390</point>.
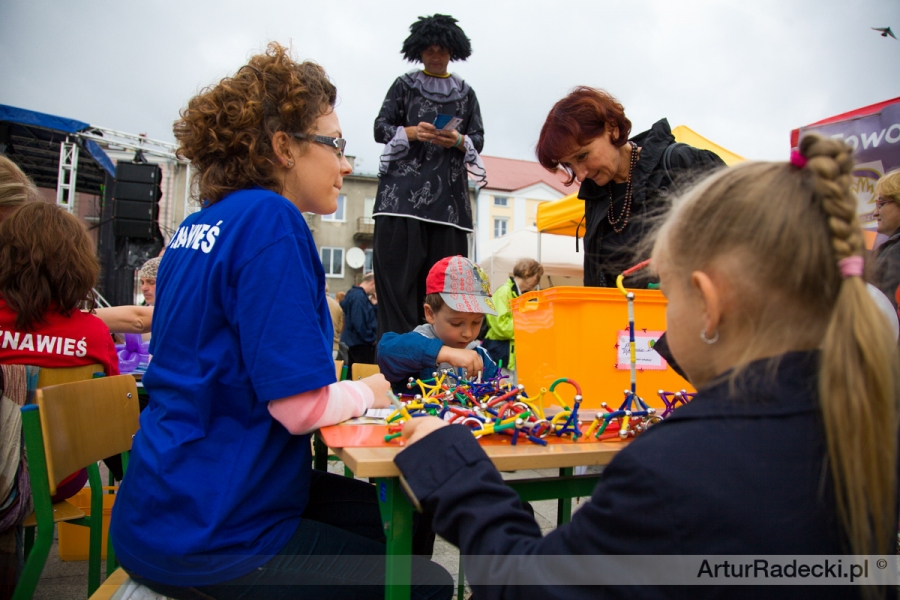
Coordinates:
<point>607,253</point>
<point>886,270</point>
<point>728,474</point>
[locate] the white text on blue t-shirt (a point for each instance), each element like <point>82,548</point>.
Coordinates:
<point>193,237</point>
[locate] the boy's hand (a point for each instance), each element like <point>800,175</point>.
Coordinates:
<point>469,360</point>
<point>415,429</point>
<point>379,386</point>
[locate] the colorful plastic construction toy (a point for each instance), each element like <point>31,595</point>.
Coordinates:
<point>495,407</point>
<point>634,415</point>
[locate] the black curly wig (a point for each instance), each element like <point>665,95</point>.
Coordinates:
<point>436,29</point>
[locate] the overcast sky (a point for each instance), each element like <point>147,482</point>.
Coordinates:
<point>742,73</point>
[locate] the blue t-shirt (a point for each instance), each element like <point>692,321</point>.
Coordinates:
<point>215,485</point>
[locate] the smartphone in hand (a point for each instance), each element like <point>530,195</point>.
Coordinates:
<point>446,122</point>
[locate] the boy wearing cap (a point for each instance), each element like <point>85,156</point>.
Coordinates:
<point>458,296</point>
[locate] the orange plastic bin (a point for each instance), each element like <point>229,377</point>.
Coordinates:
<point>577,332</point>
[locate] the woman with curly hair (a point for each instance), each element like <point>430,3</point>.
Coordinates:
<point>422,209</point>
<point>220,500</point>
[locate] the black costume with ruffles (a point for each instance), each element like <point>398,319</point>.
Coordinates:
<point>421,180</point>
<point>422,210</point>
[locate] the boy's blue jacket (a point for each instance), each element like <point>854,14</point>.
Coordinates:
<point>414,354</point>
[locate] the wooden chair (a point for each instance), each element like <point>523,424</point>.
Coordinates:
<point>72,426</point>
<point>111,585</point>
<point>360,370</point>
<point>338,367</point>
<point>57,375</point>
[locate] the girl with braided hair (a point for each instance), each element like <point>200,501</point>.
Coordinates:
<point>789,447</point>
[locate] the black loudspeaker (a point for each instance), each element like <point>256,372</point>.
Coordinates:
<point>142,192</point>
<point>132,228</point>
<point>135,194</point>
<point>137,211</point>
<point>138,173</point>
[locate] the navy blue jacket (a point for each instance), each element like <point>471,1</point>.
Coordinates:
<point>360,320</point>
<point>727,474</point>
<point>414,354</point>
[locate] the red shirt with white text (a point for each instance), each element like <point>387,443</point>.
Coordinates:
<point>60,341</point>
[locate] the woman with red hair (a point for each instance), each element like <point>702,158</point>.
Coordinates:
<point>623,181</point>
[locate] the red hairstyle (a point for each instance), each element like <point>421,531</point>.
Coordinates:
<point>575,121</point>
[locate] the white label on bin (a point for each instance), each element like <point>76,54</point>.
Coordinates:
<point>645,357</point>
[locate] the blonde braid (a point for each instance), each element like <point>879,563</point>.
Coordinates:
<point>859,370</point>
<point>831,163</point>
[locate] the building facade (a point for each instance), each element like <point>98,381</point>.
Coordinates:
<point>351,226</point>
<point>510,200</point>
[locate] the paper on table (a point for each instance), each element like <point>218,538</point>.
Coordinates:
<point>364,420</point>
<point>379,413</point>
<point>373,416</point>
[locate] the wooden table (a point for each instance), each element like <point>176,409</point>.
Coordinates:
<point>396,509</point>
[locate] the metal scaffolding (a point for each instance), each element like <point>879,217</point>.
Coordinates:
<point>68,172</point>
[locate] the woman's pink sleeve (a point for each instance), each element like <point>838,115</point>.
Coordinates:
<point>329,405</point>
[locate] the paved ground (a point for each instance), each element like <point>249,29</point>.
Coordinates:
<point>68,580</point>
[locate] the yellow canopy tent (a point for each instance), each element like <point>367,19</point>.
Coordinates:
<point>563,216</point>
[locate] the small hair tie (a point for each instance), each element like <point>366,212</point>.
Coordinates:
<point>852,266</point>
<point>797,159</point>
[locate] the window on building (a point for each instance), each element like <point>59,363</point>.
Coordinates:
<point>501,201</point>
<point>367,268</point>
<point>368,208</point>
<point>333,261</point>
<point>338,215</point>
<point>500,227</point>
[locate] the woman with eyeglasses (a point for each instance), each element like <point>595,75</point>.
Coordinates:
<point>623,180</point>
<point>886,267</point>
<point>220,500</point>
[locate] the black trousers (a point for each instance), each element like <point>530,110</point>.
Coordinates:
<point>403,252</point>
<point>337,553</point>
<point>364,353</point>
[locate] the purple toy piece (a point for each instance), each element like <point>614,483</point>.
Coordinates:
<point>132,353</point>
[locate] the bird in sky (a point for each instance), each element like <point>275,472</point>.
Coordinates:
<point>885,31</point>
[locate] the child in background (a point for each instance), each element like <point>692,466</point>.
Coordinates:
<point>499,339</point>
<point>789,447</point>
<point>458,295</point>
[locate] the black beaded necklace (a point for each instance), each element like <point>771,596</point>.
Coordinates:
<point>626,210</point>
